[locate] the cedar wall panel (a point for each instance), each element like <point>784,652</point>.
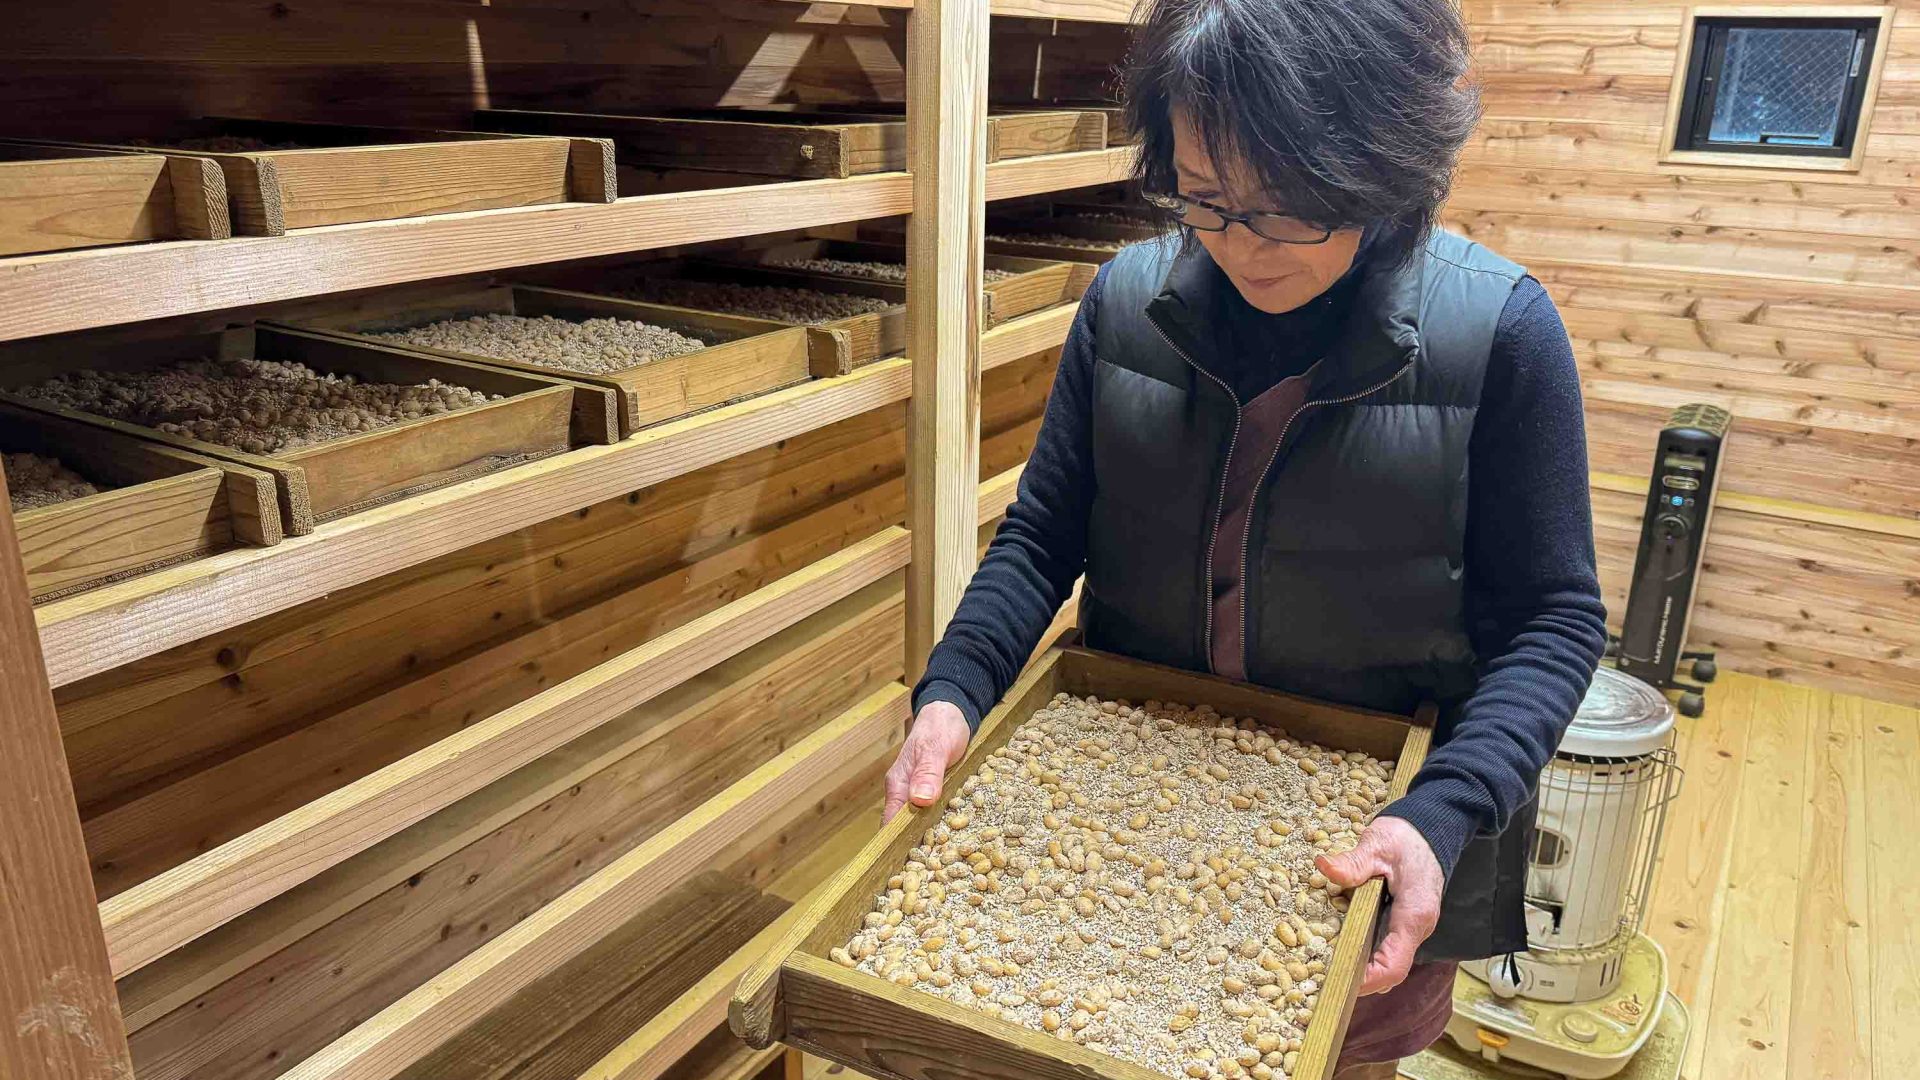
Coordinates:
<point>1791,298</point>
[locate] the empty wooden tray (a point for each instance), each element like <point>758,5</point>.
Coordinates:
<point>743,357</point>
<point>803,143</point>
<point>798,995</point>
<point>54,198</point>
<point>339,173</point>
<point>157,505</point>
<point>330,479</point>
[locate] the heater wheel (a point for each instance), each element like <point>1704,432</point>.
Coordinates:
<point>1705,670</point>
<point>1692,704</point>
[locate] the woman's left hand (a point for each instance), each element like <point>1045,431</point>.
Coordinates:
<point>1391,848</point>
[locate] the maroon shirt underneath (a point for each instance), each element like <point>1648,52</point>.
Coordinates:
<point>1405,1020</point>
<point>1262,421</point>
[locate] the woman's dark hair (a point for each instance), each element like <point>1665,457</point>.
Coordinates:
<point>1348,112</point>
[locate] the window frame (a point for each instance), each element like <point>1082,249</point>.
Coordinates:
<point>1677,137</point>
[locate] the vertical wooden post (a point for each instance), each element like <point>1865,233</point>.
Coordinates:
<point>947,152</point>
<point>59,1017</point>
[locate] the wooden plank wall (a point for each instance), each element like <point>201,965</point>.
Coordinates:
<point>1792,298</point>
<point>180,752</point>
<point>428,62</point>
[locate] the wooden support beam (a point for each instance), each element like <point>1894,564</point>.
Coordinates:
<point>413,1026</point>
<point>947,153</point>
<point>158,916</point>
<point>59,1019</point>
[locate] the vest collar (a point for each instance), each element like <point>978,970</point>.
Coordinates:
<point>1381,335</point>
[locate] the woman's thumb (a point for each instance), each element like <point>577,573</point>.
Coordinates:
<point>923,785</point>
<point>1350,869</point>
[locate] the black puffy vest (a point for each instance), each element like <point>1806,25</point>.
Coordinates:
<point>1354,558</point>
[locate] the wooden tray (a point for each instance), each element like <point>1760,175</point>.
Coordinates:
<point>1118,134</point>
<point>1035,284</point>
<point>55,198</point>
<point>798,995</point>
<point>158,505</point>
<point>744,357</point>
<point>341,476</point>
<point>811,143</point>
<point>347,173</point>
<point>856,340</point>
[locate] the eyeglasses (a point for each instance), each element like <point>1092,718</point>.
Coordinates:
<point>1206,217</point>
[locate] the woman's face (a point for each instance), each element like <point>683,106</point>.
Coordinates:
<point>1272,276</point>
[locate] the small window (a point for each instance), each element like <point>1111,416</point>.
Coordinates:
<point>1776,90</point>
<point>1549,849</point>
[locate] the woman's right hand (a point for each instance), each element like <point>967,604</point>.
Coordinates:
<point>937,742</point>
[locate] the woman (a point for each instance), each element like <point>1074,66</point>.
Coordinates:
<point>1316,443</point>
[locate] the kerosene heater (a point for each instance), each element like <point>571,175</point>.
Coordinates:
<point>1588,998</point>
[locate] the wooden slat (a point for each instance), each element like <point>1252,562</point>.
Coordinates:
<point>1058,172</point>
<point>947,154</point>
<point>158,916</point>
<point>59,1019</point>
<point>1752,1002</point>
<point>996,492</point>
<point>1830,1032</point>
<point>125,622</point>
<point>1023,337</point>
<point>427,1017</point>
<point>1892,774</point>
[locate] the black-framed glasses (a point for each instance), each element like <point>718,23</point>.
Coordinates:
<point>1206,217</point>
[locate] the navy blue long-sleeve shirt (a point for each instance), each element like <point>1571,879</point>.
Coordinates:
<point>1532,594</point>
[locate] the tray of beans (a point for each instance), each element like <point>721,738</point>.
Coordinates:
<point>1012,285</point>
<point>92,506</point>
<point>863,319</point>
<point>282,175</point>
<point>1118,881</point>
<point>341,426</point>
<point>632,365</point>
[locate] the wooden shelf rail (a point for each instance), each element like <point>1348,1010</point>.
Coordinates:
<point>427,1017</point>
<point>78,290</point>
<point>1021,338</point>
<point>997,491</point>
<point>102,629</point>
<point>175,907</point>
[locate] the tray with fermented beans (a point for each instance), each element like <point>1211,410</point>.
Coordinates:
<point>341,426</point>
<point>1012,285</point>
<point>92,507</point>
<point>632,365</point>
<point>282,175</point>
<point>865,319</point>
<point>1119,881</point>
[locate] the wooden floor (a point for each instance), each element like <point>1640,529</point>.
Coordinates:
<point>1788,896</point>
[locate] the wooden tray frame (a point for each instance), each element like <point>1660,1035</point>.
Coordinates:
<point>166,505</point>
<point>1036,284</point>
<point>57,198</point>
<point>748,357</point>
<point>798,995</point>
<point>1118,134</point>
<point>857,340</point>
<point>340,476</point>
<point>385,173</point>
<point>799,143</point>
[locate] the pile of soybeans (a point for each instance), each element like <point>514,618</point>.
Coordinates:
<point>1135,879</point>
<point>255,406</point>
<point>218,144</point>
<point>871,270</point>
<point>780,303</point>
<point>599,346</point>
<point>1057,240</point>
<point>34,481</point>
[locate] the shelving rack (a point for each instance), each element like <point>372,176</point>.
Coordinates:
<point>78,973</point>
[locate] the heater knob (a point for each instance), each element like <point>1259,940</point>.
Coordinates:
<point>1671,526</point>
<point>1505,978</point>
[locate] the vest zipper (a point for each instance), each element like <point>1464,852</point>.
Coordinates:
<point>1253,500</point>
<point>1213,526</point>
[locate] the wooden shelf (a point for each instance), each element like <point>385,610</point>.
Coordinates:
<point>428,1017</point>
<point>120,623</point>
<point>1022,338</point>
<point>78,290</point>
<point>1103,11</point>
<point>158,916</point>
